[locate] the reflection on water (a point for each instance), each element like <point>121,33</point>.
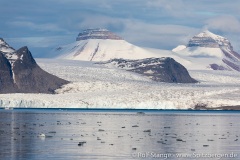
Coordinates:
<point>118,135</point>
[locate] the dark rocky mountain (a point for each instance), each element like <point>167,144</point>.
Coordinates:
<point>30,78</point>
<point>6,76</point>
<point>97,34</point>
<point>157,69</point>
<point>19,73</point>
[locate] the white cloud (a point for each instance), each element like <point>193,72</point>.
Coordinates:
<point>225,23</point>
<point>166,4</point>
<point>160,36</point>
<point>39,27</point>
<point>142,33</point>
<point>153,23</point>
<point>39,41</point>
<point>99,22</point>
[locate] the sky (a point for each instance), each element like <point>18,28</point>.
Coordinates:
<point>164,24</point>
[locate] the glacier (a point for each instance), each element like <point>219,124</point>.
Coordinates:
<point>96,86</point>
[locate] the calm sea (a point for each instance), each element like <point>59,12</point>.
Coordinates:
<point>31,134</point>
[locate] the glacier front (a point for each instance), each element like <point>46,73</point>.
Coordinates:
<point>96,86</point>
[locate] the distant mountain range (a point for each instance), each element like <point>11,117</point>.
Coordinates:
<point>19,72</point>
<point>205,51</point>
<point>103,45</point>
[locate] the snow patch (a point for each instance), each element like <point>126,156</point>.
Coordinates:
<point>21,58</point>
<point>179,48</point>
<point>207,33</point>
<point>149,72</point>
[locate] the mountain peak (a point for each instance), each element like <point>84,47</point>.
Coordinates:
<point>209,39</point>
<point>4,47</point>
<point>209,46</point>
<point>97,33</point>
<point>207,33</point>
<point>1,40</point>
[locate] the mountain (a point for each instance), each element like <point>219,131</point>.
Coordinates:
<point>5,48</point>
<point>19,73</point>
<point>210,51</point>
<point>157,69</point>
<point>101,45</point>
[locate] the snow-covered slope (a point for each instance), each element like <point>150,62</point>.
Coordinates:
<point>102,50</point>
<point>179,48</point>
<point>209,51</point>
<point>95,86</point>
<point>101,45</point>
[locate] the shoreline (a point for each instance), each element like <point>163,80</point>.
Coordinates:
<point>224,108</point>
<point>196,109</point>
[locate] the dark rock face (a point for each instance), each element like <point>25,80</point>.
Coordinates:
<point>203,42</point>
<point>6,77</point>
<point>19,73</point>
<point>232,65</point>
<point>158,69</point>
<point>30,78</point>
<point>97,34</point>
<point>217,67</point>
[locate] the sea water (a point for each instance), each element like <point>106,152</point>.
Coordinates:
<point>119,134</point>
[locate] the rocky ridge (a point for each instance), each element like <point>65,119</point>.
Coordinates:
<point>157,69</point>
<point>97,34</point>
<point>19,73</point>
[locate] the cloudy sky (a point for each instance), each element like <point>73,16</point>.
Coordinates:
<point>164,24</point>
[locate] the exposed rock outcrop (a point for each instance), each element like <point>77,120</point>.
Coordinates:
<point>157,69</point>
<point>97,34</point>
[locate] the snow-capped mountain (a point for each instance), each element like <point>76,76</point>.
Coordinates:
<point>20,73</point>
<point>157,69</point>
<point>101,45</point>
<point>4,47</point>
<point>7,50</point>
<point>211,51</point>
